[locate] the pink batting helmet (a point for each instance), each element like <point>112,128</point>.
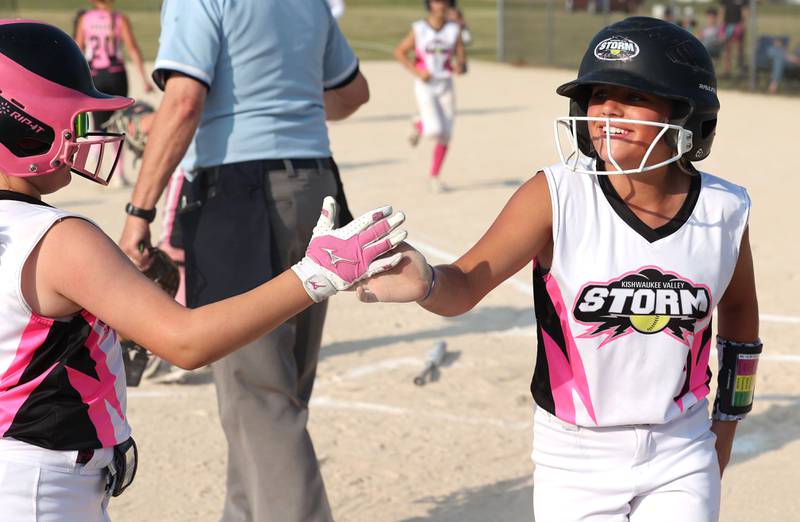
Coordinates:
<point>46,93</point>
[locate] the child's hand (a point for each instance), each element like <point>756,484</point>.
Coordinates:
<point>423,75</point>
<point>337,258</point>
<point>409,281</point>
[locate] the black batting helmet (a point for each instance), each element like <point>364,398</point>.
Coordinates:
<point>655,57</point>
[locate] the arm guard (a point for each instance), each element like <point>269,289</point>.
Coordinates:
<point>736,380</point>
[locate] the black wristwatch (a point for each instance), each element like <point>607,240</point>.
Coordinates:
<point>147,215</point>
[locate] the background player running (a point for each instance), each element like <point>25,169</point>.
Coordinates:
<point>66,289</point>
<point>633,249</point>
<point>101,33</point>
<point>436,43</point>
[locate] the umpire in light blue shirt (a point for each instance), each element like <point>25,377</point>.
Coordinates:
<point>248,85</point>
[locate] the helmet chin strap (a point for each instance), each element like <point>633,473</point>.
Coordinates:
<point>573,163</point>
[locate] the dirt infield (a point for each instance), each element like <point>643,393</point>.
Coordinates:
<point>458,449</point>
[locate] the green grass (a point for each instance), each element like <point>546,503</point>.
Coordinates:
<point>374,27</point>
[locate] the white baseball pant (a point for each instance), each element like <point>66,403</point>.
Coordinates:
<point>436,101</point>
<point>647,473</point>
<point>41,485</point>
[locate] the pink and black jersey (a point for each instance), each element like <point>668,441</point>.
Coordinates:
<point>102,40</point>
<point>624,312</point>
<point>434,49</point>
<point>62,381</point>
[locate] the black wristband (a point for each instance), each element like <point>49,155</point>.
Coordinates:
<point>147,215</point>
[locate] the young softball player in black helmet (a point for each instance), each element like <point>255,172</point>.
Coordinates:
<point>65,289</point>
<point>633,251</point>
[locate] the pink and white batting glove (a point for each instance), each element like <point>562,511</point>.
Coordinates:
<point>337,258</point>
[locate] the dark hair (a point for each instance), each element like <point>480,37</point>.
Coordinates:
<point>712,11</point>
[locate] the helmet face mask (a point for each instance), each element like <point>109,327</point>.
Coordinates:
<point>572,159</point>
<point>657,58</point>
<point>46,95</point>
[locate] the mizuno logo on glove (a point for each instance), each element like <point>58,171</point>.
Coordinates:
<point>335,260</point>
<point>342,256</point>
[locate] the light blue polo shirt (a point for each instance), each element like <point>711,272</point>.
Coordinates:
<point>266,63</point>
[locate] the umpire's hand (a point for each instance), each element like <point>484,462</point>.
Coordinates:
<point>135,242</point>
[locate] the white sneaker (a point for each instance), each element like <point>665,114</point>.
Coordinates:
<point>437,187</point>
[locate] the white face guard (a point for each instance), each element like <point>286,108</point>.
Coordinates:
<point>568,125</point>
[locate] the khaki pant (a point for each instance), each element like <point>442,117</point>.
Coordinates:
<point>253,221</point>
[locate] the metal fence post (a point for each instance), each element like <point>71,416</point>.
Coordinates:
<point>551,22</point>
<point>501,22</point>
<point>752,33</point>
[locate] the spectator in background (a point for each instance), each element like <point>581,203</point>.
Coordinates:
<point>710,33</point>
<point>781,60</point>
<point>734,18</point>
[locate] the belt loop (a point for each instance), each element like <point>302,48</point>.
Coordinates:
<point>213,180</point>
<point>320,165</point>
<point>289,166</point>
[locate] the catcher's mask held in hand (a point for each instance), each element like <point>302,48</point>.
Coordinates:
<point>650,56</point>
<point>46,93</point>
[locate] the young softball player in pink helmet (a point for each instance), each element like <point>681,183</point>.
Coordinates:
<point>436,43</point>
<point>66,289</point>
<point>633,250</point>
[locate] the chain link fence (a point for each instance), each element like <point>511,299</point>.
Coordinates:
<point>555,33</point>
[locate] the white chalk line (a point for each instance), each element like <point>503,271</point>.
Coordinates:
<point>527,288</point>
<point>372,407</point>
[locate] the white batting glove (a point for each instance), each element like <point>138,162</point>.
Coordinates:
<point>337,258</point>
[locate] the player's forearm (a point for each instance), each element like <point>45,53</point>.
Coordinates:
<point>461,55</point>
<point>402,57</point>
<point>174,126</point>
<point>725,432</point>
<point>451,294</point>
<point>210,332</point>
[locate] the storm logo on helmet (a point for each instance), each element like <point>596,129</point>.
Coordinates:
<point>616,48</point>
<point>647,301</point>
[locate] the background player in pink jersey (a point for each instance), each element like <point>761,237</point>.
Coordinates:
<point>66,289</point>
<point>633,249</point>
<point>101,33</point>
<point>436,43</point>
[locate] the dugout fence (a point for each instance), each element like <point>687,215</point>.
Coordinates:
<point>555,33</point>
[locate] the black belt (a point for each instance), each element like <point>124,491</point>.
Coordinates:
<point>280,164</point>
<point>302,163</point>
<point>207,177</point>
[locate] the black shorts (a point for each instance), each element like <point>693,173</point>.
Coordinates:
<point>110,83</point>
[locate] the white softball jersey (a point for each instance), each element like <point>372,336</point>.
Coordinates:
<point>624,312</point>
<point>434,49</point>
<point>62,381</point>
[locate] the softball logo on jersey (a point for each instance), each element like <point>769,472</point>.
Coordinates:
<point>616,48</point>
<point>438,47</point>
<point>647,301</point>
